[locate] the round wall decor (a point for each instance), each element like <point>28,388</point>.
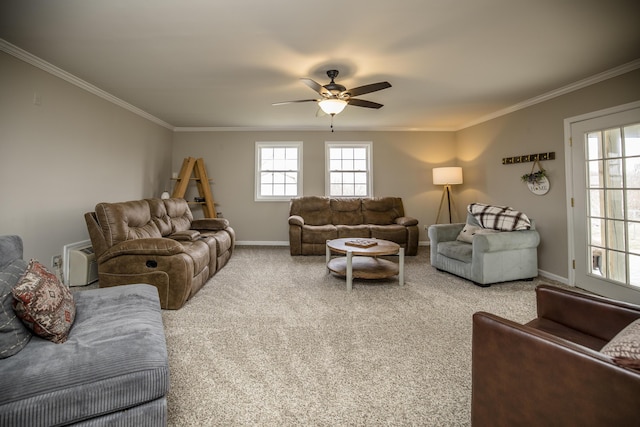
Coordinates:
<point>539,187</point>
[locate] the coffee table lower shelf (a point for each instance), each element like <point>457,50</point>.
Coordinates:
<point>364,267</point>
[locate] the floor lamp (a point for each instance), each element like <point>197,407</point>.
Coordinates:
<point>447,177</point>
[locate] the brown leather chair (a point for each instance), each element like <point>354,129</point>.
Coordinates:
<point>550,372</point>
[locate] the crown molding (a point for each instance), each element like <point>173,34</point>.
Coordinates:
<point>29,58</point>
<point>304,129</point>
<point>614,72</point>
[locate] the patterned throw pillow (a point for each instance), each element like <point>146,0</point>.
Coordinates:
<point>44,304</point>
<point>624,348</point>
<point>13,334</point>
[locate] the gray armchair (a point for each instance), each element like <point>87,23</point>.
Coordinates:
<point>490,258</point>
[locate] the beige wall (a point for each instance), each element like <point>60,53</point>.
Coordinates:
<point>402,163</point>
<point>60,158</point>
<point>539,128</point>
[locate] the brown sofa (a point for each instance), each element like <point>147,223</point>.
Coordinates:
<point>313,220</point>
<point>551,371</point>
<point>158,242</point>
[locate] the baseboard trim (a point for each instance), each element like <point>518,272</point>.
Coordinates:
<point>563,280</point>
<point>286,243</point>
<point>262,243</point>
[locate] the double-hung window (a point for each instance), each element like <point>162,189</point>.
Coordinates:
<point>348,172</point>
<point>278,171</point>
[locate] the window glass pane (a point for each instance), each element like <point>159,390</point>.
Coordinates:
<point>347,153</point>
<point>615,235</point>
<point>266,164</point>
<point>266,177</point>
<point>278,189</point>
<point>347,164</point>
<point>613,143</point>
<point>360,165</point>
<point>634,270</point>
<point>596,202</point>
<point>360,190</point>
<point>632,172</point>
<point>267,153</point>
<point>595,174</point>
<point>614,173</point>
<point>597,232</point>
<point>594,146</point>
<point>360,178</point>
<point>291,153</point>
<point>265,190</point>
<point>633,205</point>
<point>598,263</point>
<point>360,153</point>
<point>632,140</point>
<point>336,189</point>
<point>615,204</point>
<point>616,266</point>
<point>634,237</point>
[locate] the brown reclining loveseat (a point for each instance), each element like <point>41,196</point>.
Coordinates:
<point>158,242</point>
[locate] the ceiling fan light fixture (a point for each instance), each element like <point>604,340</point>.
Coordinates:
<point>332,106</point>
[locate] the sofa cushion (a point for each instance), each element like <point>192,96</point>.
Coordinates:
<point>126,221</point>
<point>115,359</point>
<point>394,233</point>
<point>347,211</point>
<point>159,216</point>
<point>361,230</point>
<point>382,211</point>
<point>44,304</point>
<point>624,348</point>
<point>456,250</point>
<point>319,233</point>
<point>180,214</point>
<point>14,335</point>
<point>315,210</point>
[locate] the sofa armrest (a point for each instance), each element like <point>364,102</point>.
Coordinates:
<point>147,246</point>
<point>296,220</point>
<point>407,221</point>
<point>213,224</point>
<point>444,232</point>
<point>593,315</point>
<point>526,377</point>
<point>505,240</point>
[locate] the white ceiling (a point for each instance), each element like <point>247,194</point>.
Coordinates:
<point>210,63</point>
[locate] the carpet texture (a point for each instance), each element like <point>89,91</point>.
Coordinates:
<point>273,340</point>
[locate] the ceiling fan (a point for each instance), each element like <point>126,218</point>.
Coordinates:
<point>335,97</point>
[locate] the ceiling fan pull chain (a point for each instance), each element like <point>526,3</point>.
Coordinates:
<point>332,122</point>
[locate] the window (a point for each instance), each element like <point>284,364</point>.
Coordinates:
<point>613,197</point>
<point>278,170</point>
<point>348,172</point>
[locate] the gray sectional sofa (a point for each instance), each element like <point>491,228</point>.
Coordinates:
<point>112,370</point>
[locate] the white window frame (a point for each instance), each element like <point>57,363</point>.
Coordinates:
<point>368,146</point>
<point>259,197</point>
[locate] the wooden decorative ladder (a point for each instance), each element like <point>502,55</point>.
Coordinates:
<point>196,167</point>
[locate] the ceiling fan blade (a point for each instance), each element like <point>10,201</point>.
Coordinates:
<point>361,90</point>
<point>296,102</point>
<point>316,86</point>
<point>363,103</point>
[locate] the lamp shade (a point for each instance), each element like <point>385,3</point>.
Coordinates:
<point>332,106</point>
<point>447,176</point>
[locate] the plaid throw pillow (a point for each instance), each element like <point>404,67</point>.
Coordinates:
<point>44,304</point>
<point>499,217</point>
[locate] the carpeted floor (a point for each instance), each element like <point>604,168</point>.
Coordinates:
<point>273,340</point>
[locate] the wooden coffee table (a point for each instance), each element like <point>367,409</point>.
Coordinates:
<point>361,259</point>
